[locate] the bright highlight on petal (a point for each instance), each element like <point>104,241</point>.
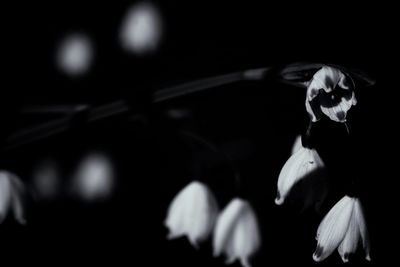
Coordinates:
<point>11,197</point>
<point>192,213</point>
<point>342,228</point>
<point>302,163</point>
<point>237,233</point>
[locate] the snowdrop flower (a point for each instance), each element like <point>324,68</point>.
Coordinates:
<point>330,92</point>
<point>192,213</point>
<point>297,145</point>
<point>342,228</point>
<point>236,233</point>
<point>301,164</point>
<point>11,193</point>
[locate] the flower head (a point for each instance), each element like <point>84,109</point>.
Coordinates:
<point>192,213</point>
<point>302,163</point>
<point>343,228</point>
<point>236,233</point>
<point>11,193</point>
<point>330,92</point>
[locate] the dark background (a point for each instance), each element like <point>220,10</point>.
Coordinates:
<point>255,123</point>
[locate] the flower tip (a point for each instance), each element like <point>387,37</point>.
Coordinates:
<point>279,201</point>
<point>345,258</point>
<point>368,257</point>
<point>316,258</point>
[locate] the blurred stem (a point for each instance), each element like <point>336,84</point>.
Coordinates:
<point>215,149</point>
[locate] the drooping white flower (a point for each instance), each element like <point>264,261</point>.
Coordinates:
<point>237,233</point>
<point>302,163</point>
<point>330,92</point>
<point>192,213</point>
<point>343,228</point>
<point>11,194</point>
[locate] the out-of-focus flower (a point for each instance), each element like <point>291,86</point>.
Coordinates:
<point>46,180</point>
<point>94,178</point>
<point>237,233</point>
<point>301,164</point>
<point>75,54</point>
<point>141,30</point>
<point>330,92</point>
<point>342,228</point>
<point>11,196</point>
<point>192,213</point>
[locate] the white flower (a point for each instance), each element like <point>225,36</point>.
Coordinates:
<point>11,193</point>
<point>302,163</point>
<point>342,228</point>
<point>192,213</point>
<point>237,234</point>
<point>329,92</point>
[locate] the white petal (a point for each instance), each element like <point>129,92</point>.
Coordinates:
<point>338,112</point>
<point>310,112</point>
<point>333,228</point>
<point>326,78</point>
<point>351,238</point>
<point>17,195</point>
<point>297,144</point>
<point>359,216</point>
<point>193,213</point>
<point>298,166</point>
<point>237,232</point>
<point>5,195</point>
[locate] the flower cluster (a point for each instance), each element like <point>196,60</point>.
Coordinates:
<point>330,93</point>
<point>194,213</point>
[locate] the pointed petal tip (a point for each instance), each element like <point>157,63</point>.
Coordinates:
<point>316,258</point>
<point>279,201</point>
<point>368,257</point>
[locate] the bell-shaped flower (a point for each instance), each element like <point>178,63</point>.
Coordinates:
<point>237,233</point>
<point>11,196</point>
<point>192,213</point>
<point>330,92</point>
<point>343,228</point>
<point>302,163</point>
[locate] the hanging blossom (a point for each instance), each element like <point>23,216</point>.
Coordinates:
<point>331,93</point>
<point>237,232</point>
<point>11,197</point>
<point>343,228</point>
<point>192,213</point>
<point>302,163</point>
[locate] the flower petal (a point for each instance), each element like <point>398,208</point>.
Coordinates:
<point>333,228</point>
<point>298,166</point>
<point>5,195</point>
<point>17,194</point>
<point>351,239</point>
<point>193,213</point>
<point>237,232</point>
<point>297,144</point>
<point>359,216</point>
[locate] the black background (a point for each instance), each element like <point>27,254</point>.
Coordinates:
<point>255,123</point>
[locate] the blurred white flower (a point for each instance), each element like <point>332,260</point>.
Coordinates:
<point>192,213</point>
<point>75,54</point>
<point>11,196</point>
<point>94,178</point>
<point>342,228</point>
<point>237,233</point>
<point>302,163</point>
<point>330,92</point>
<point>141,28</point>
